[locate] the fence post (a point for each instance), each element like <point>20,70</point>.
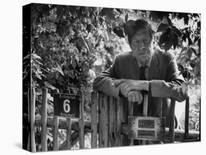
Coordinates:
<point>32,110</point>
<point>81,121</point>
<point>171,120</point>
<point>94,119</point>
<point>69,132</point>
<point>145,111</point>
<point>187,106</point>
<point>111,121</point>
<point>105,117</point>
<point>44,120</point>
<point>118,121</point>
<point>103,128</point>
<point>100,119</point>
<point>145,105</point>
<point>130,111</point>
<point>55,134</point>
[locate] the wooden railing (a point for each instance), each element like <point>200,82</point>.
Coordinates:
<point>108,125</point>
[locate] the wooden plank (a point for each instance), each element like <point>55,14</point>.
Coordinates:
<point>94,103</point>
<point>130,111</point>
<point>62,123</point>
<point>171,121</point>
<point>118,122</point>
<point>187,109</point>
<point>32,119</point>
<point>44,120</point>
<point>55,133</point>
<point>29,100</point>
<point>81,123</point>
<point>29,142</point>
<point>145,111</point>
<point>74,140</point>
<point>100,120</point>
<point>69,132</point>
<point>106,123</point>
<point>122,119</point>
<point>103,122</point>
<point>145,105</point>
<point>111,122</point>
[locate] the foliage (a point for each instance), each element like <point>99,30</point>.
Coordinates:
<point>69,39</point>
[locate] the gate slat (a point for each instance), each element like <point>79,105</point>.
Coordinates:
<point>130,111</point>
<point>172,118</point>
<point>32,119</point>
<point>55,133</point>
<point>103,122</point>
<point>100,120</point>
<point>81,123</point>
<point>69,132</point>
<point>119,122</point>
<point>105,117</point>
<point>44,120</point>
<point>187,108</point>
<point>94,119</point>
<point>111,122</point>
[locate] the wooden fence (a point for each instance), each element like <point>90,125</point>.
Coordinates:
<point>108,125</point>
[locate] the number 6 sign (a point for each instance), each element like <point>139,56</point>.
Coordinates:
<point>66,105</point>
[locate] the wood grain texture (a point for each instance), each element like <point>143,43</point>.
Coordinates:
<point>44,120</point>
<point>94,119</point>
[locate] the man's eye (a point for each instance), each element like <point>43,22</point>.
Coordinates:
<point>137,42</point>
<point>146,41</point>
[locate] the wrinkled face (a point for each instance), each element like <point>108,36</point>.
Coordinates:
<point>141,46</point>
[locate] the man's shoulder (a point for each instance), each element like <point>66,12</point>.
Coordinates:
<point>124,56</point>
<point>164,56</point>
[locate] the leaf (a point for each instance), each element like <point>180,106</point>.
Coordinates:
<point>35,56</point>
<point>158,15</point>
<point>199,24</point>
<point>196,15</point>
<point>177,31</point>
<point>184,16</point>
<point>169,38</point>
<point>126,17</point>
<point>162,27</point>
<point>190,51</point>
<point>59,69</point>
<point>109,12</point>
<point>119,32</point>
<point>196,39</point>
<point>189,41</point>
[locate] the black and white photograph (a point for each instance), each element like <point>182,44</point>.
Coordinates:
<point>102,77</point>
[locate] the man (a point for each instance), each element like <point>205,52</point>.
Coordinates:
<point>143,70</point>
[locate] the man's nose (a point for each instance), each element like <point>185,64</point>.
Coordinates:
<point>141,45</point>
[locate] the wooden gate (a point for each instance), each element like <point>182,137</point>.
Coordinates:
<point>108,125</point>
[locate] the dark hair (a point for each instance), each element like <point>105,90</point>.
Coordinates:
<point>132,27</point>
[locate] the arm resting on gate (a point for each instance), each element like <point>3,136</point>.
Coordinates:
<point>173,86</point>
<point>160,88</point>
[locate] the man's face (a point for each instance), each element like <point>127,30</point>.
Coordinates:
<point>141,46</point>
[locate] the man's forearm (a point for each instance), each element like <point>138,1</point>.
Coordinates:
<point>106,85</point>
<point>157,88</point>
<point>160,88</point>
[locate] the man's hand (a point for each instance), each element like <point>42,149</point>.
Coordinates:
<point>131,85</point>
<point>135,96</point>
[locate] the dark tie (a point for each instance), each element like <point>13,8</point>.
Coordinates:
<point>142,73</point>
